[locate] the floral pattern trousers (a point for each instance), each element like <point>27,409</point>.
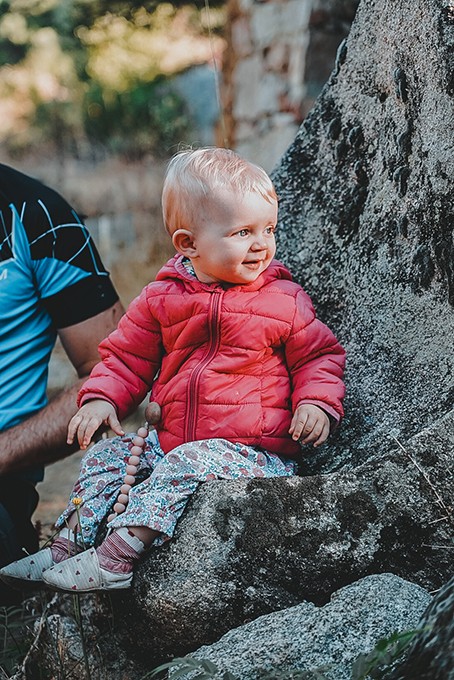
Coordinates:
<point>164,483</point>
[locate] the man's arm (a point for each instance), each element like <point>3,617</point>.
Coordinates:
<point>41,439</point>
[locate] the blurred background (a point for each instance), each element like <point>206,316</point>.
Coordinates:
<point>96,96</point>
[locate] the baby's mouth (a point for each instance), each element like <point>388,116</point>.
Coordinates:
<point>252,264</point>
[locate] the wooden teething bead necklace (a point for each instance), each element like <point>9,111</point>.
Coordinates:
<point>138,444</point>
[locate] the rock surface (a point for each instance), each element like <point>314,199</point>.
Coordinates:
<point>366,220</point>
<point>247,548</point>
<point>306,637</point>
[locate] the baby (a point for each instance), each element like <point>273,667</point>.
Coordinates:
<point>232,351</point>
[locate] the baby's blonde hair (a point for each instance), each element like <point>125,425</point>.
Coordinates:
<point>193,175</point>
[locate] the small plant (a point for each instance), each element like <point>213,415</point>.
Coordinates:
<point>78,502</point>
<point>202,669</point>
<point>15,634</point>
<point>385,652</point>
<point>179,667</point>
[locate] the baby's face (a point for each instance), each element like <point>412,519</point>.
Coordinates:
<point>234,238</point>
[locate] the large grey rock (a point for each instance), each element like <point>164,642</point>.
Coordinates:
<point>431,656</point>
<point>247,548</point>
<point>305,637</point>
<point>366,220</point>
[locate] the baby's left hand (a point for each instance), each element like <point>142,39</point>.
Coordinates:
<point>310,425</point>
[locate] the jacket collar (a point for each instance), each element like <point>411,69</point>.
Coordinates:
<point>175,269</point>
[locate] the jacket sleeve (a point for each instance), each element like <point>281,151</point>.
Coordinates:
<point>315,360</point>
<point>131,357</point>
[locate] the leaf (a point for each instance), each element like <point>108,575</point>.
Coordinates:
<point>209,666</point>
<point>167,666</point>
<point>384,653</point>
<point>182,671</point>
<point>359,667</point>
<point>181,666</point>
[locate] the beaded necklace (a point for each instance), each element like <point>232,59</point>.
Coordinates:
<point>138,444</point>
<point>153,416</point>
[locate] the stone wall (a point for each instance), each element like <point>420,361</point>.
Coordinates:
<point>279,55</point>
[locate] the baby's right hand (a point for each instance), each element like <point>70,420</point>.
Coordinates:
<point>89,419</point>
<point>153,413</point>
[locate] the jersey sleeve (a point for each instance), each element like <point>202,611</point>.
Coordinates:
<point>80,301</point>
<point>71,281</point>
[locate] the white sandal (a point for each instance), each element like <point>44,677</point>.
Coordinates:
<point>28,570</point>
<point>82,573</point>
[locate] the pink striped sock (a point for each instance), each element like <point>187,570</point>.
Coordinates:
<point>119,551</point>
<point>62,548</point>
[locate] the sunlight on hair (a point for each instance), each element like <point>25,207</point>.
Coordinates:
<point>194,175</point>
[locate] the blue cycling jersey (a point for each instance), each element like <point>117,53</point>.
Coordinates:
<point>51,277</point>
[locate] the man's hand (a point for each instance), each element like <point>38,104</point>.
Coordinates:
<point>41,439</point>
<point>310,425</point>
<point>89,419</point>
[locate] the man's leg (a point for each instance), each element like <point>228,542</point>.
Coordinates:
<point>18,501</point>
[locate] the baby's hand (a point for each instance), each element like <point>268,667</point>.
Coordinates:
<point>153,413</point>
<point>310,425</point>
<point>89,419</point>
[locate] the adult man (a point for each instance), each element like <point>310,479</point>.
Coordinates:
<point>52,282</point>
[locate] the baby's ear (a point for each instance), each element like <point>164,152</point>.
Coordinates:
<point>183,242</point>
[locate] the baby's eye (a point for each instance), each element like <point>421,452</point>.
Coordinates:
<point>270,230</point>
<point>243,232</point>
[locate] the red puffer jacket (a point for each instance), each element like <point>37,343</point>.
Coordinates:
<point>233,362</point>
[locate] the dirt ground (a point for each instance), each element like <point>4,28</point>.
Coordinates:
<point>54,491</point>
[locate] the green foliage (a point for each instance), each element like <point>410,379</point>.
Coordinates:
<point>200,669</point>
<point>11,53</point>
<point>385,652</point>
<point>56,120</point>
<point>149,117</point>
<point>79,71</point>
<point>203,669</point>
<point>371,665</point>
<point>120,7</point>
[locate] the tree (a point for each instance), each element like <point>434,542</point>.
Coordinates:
<point>77,70</point>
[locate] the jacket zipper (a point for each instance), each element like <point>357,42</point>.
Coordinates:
<point>194,381</point>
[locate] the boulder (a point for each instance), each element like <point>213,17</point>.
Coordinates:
<point>329,638</point>
<point>247,548</point>
<point>366,220</point>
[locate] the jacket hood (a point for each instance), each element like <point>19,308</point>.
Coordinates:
<point>175,269</point>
